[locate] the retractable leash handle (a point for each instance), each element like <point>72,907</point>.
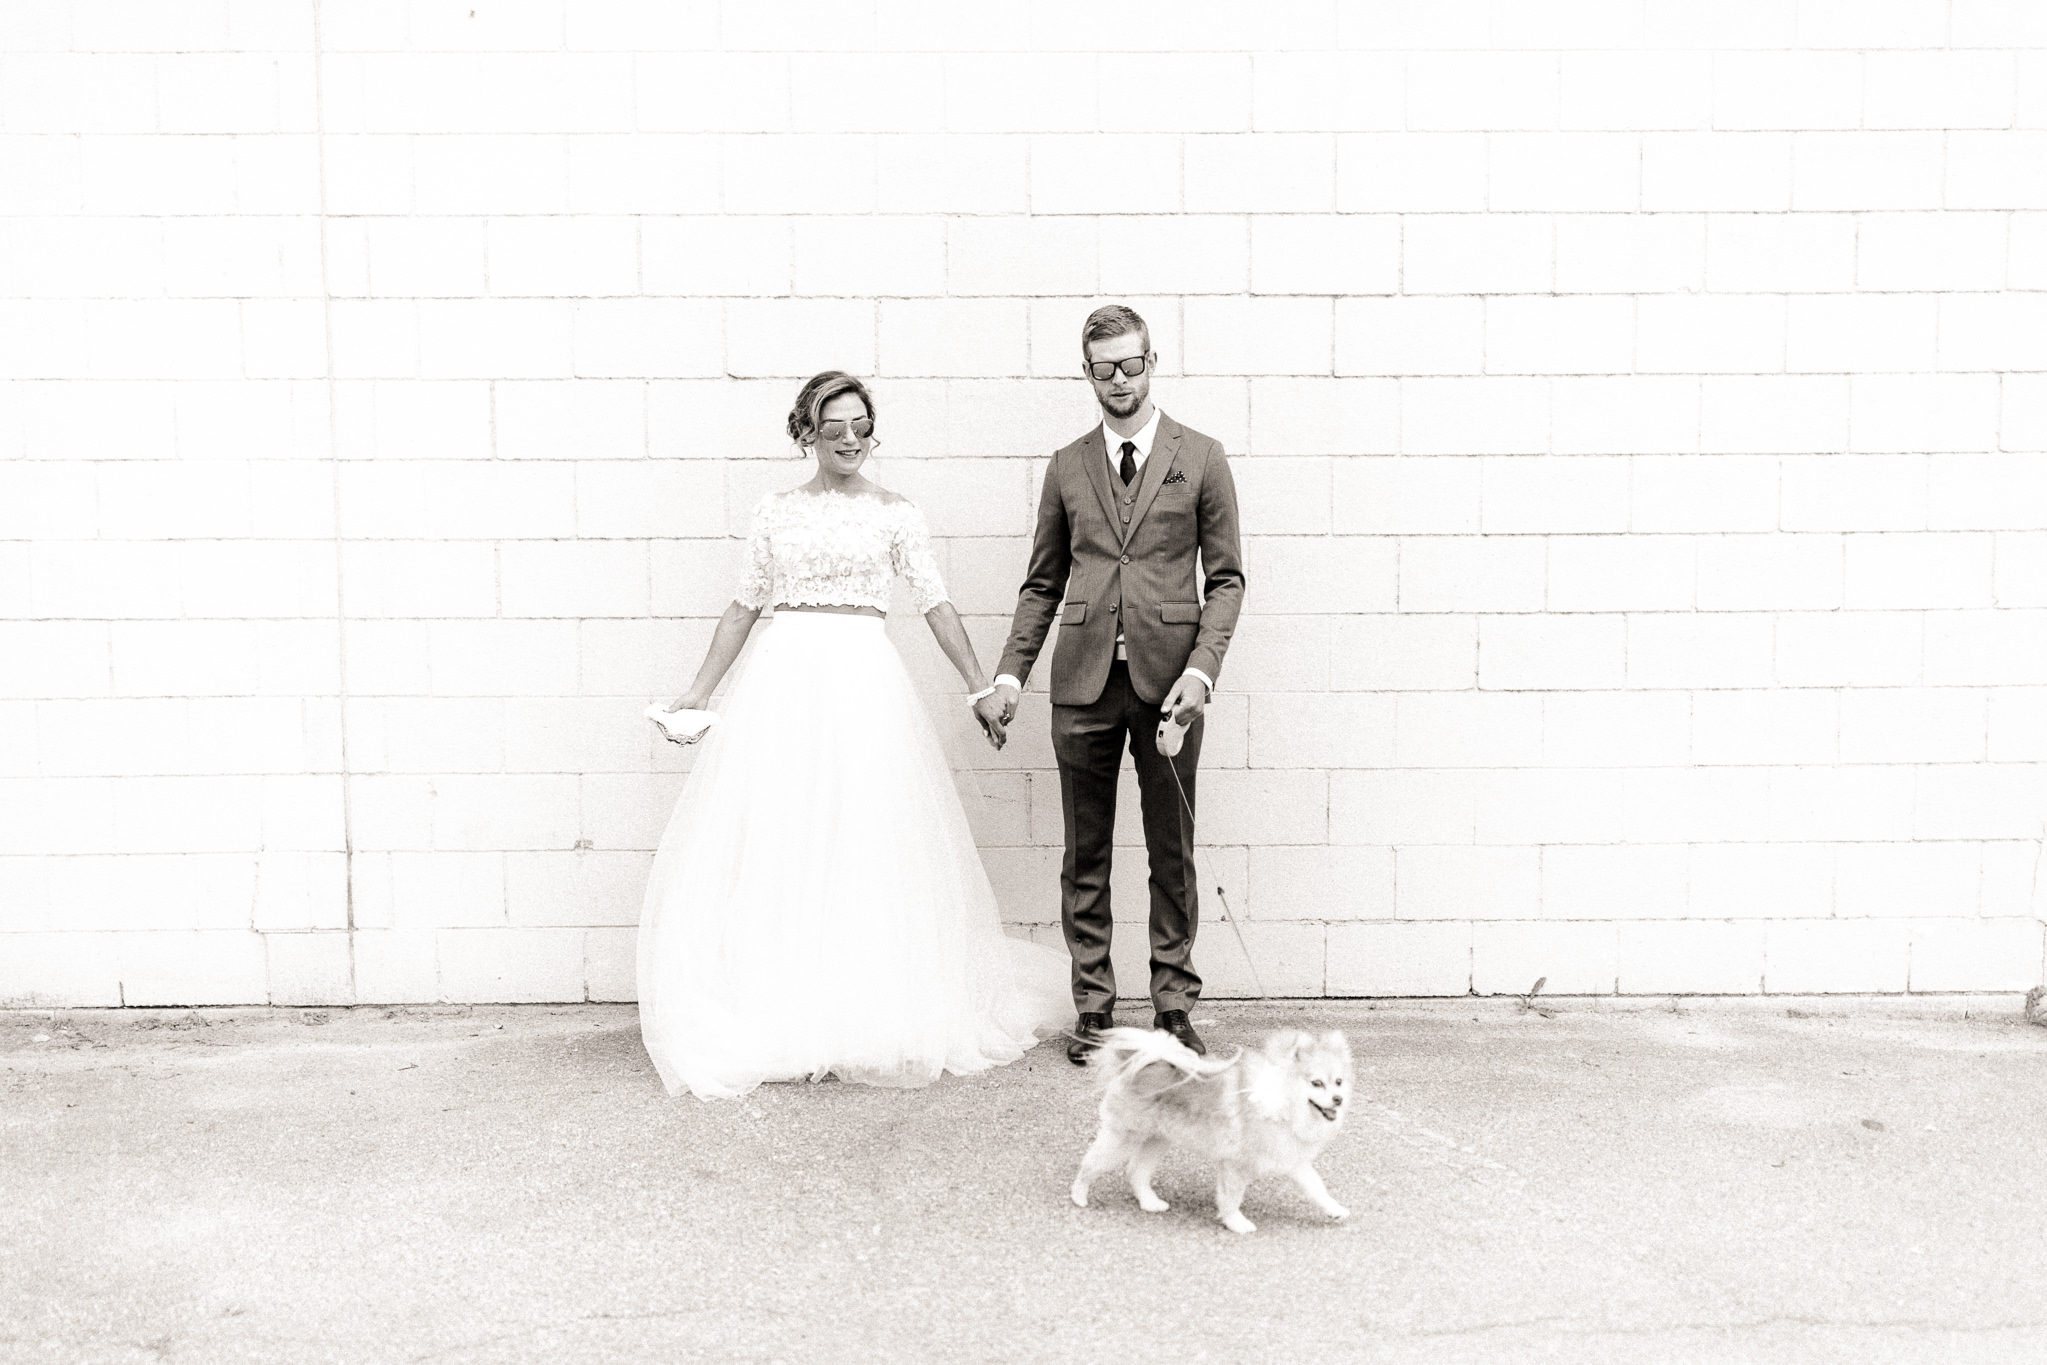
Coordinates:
<point>1172,735</point>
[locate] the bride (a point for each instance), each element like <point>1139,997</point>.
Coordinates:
<point>817,904</point>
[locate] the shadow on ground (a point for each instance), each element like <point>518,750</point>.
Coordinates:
<point>1640,1182</point>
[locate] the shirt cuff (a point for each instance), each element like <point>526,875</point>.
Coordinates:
<point>1206,681</point>
<point>1003,679</point>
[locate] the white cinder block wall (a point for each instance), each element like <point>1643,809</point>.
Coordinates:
<point>1639,410</point>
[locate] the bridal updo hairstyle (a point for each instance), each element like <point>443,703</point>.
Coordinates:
<point>822,389</point>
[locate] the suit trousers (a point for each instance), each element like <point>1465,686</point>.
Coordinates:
<point>1088,742</point>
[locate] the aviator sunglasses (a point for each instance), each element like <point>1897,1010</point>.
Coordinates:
<point>861,427</point>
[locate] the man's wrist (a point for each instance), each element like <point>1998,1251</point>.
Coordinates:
<point>1004,680</point>
<point>1206,681</point>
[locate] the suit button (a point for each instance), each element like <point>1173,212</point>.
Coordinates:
<point>1112,611</point>
<point>1126,516</point>
<point>1126,559</point>
<point>1127,501</point>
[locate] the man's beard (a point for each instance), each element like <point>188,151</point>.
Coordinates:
<point>1123,407</point>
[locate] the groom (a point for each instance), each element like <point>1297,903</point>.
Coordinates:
<point>1126,509</point>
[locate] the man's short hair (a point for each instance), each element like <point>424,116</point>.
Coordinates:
<point>1112,320</point>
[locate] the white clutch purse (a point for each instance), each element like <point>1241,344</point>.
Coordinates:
<point>682,726</point>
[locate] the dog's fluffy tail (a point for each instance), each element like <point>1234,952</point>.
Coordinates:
<point>1126,1051</point>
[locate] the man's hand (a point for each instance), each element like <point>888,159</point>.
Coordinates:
<point>994,715</point>
<point>1009,697</point>
<point>1188,699</point>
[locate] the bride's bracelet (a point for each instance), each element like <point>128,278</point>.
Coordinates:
<point>987,691</point>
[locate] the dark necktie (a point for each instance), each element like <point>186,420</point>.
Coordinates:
<point>1128,469</point>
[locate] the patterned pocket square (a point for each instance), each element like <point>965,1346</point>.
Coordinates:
<point>1176,476</point>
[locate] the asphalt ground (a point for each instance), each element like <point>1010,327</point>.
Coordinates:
<point>1632,1181</point>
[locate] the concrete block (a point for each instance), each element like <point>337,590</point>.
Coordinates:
<point>1477,254</point>
<point>1992,332</point>
<point>1011,256</point>
<point>501,338</point>
<point>1623,414</point>
<point>2008,878</point>
<point>1297,881</point>
<point>1563,172</point>
<point>1312,92</point>
<point>1259,807</point>
<point>1630,91</point>
<point>1412,172</point>
<point>425,735</point>
<point>1324,254</point>
<point>1474,416</point>
<point>576,734</point>
<point>1541,334</point>
<point>1825,956</point>
<point>626,810</point>
<point>457,500</point>
<point>1686,494</point>
<point>652,338</point>
<point>410,420</point>
<point>1279,653</point>
<point>546,257</point>
<point>1938,90</point>
<point>981,338</point>
<point>1286,960</point>
<point>1446,729</point>
<point>1373,958</point>
<point>502,658</point>
<point>643,173</point>
<point>510,966</point>
<point>1978,801</point>
<point>1868,170</point>
<point>1467,574</point>
<point>965,498</point>
<point>1780,253</point>
<point>779,173</point>
<point>1552,652</point>
<point>1787,90</point>
<point>60,970</point>
<point>1022,92</point>
<point>1554,494</point>
<point>1283,495</point>
<point>1831,333</point>
<point>1757,413</point>
<point>1912,725</point>
<point>1615,729</point>
<point>858,256</point>
<point>1569,959</point>
<point>1181,92</point>
<point>1926,569</point>
<point>396,967</point>
<point>1481,91</point>
<point>1630,253</point>
<point>1706,333</point>
<point>1908,880</point>
<point>256,578</point>
<point>1995,170</point>
<point>1105,173</point>
<point>2007,646</point>
<point>1551,806</point>
<point>1771,572</point>
<point>1260,172</point>
<point>647,498</point>
<point>1404,653</point>
<point>1844,804</point>
<point>1987,492</point>
<point>1614,882</point>
<point>1721,172</point>
<point>1761,881</point>
<point>1321,730</point>
<point>1933,251</point>
<point>586,887</point>
<point>901,92</point>
<point>1976,955</point>
<point>1139,255</point>
<point>953,173</point>
<point>1322,574</point>
<point>1237,335</point>
<point>1467,883</point>
<point>1403,806</point>
<point>180,967</point>
<point>1410,335</point>
<point>1854,493</point>
<point>1915,412</point>
<point>1620,573</point>
<point>1744,727</point>
<point>2018,725</point>
<point>1690,957</point>
<point>308,969</point>
<point>554,578</point>
<point>491,173</point>
<point>611,964</point>
<point>798,337</point>
<point>418,578</point>
<point>76,659</point>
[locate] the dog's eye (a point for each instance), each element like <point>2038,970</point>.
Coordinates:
<point>1318,1084</point>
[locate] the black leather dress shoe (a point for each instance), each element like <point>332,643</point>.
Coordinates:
<point>1087,1035</point>
<point>1175,1023</point>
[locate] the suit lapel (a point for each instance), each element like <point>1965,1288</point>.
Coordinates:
<point>1095,456</point>
<point>1164,451</point>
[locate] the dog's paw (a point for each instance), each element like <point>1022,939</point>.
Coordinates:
<point>1237,1222</point>
<point>1336,1211</point>
<point>1151,1203</point>
<point>1080,1194</point>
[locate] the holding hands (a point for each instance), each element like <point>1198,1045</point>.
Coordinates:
<point>995,711</point>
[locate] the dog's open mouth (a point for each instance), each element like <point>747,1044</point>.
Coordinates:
<point>1327,1111</point>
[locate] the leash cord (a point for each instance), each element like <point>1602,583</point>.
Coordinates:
<point>1228,914</point>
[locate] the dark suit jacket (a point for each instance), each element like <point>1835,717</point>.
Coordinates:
<point>1129,558</point>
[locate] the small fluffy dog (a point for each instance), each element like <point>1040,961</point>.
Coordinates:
<point>1269,1112</point>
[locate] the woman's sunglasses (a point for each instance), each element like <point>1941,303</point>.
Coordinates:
<point>861,427</point>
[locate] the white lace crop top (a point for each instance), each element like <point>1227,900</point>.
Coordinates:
<point>837,549</point>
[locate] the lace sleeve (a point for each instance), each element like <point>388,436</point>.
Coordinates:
<point>910,554</point>
<point>757,582</point>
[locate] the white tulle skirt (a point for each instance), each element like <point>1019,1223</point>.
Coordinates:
<point>818,905</point>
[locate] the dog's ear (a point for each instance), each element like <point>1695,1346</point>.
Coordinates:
<point>1334,1041</point>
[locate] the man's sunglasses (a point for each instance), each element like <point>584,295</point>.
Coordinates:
<point>861,427</point>
<point>1106,369</point>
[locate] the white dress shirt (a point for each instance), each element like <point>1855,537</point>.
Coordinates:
<point>1112,445</point>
